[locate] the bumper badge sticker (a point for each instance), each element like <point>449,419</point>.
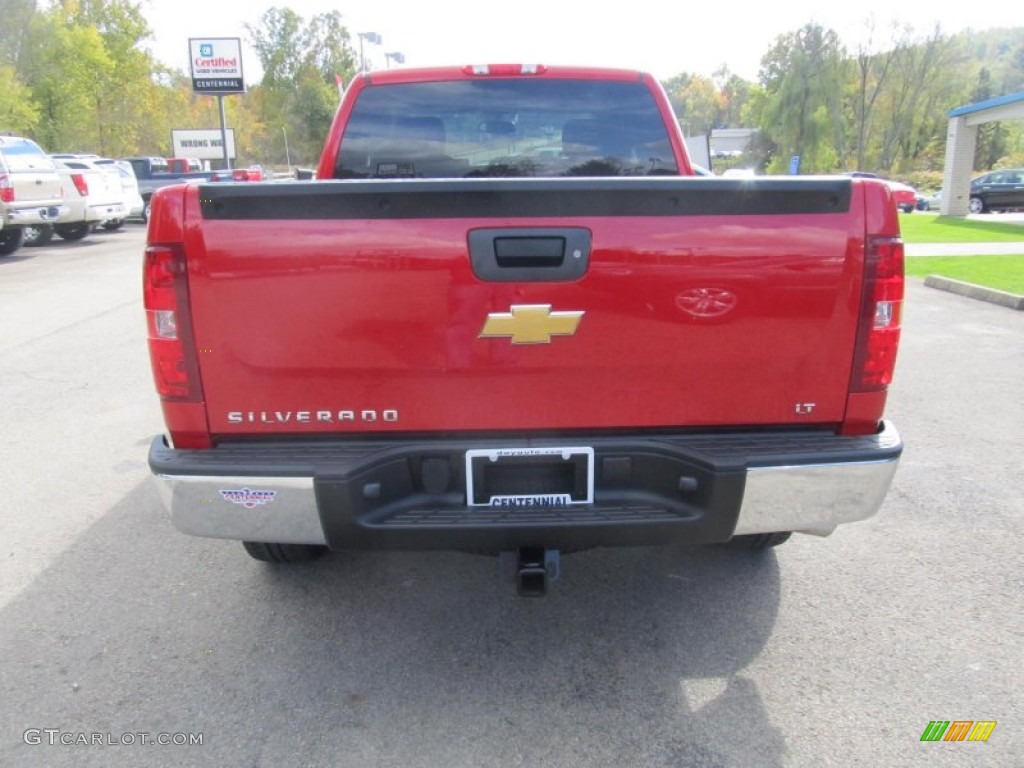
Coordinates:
<point>249,498</point>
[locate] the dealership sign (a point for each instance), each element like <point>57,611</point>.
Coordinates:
<point>206,145</point>
<point>216,64</point>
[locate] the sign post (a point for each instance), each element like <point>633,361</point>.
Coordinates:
<point>216,64</point>
<point>223,130</point>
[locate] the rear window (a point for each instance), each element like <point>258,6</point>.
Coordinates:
<point>505,128</point>
<point>24,155</point>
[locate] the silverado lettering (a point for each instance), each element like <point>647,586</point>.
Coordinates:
<point>728,385</point>
<point>309,417</point>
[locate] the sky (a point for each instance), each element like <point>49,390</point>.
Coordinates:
<point>663,37</point>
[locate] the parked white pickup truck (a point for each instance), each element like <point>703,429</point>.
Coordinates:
<point>30,193</point>
<point>92,195</point>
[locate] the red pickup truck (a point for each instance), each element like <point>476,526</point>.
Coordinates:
<point>508,317</point>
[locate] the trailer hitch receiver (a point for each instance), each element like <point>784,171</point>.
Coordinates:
<point>534,569</point>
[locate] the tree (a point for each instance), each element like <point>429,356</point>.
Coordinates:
<point>77,76</point>
<point>279,40</point>
<point>63,64</point>
<point>331,51</point>
<point>927,79</point>
<point>175,105</point>
<point>734,93</point>
<point>803,77</point>
<point>18,111</point>
<point>120,23</point>
<point>93,83</point>
<point>872,73</point>
<point>123,93</point>
<point>695,100</point>
<point>298,94</point>
<point>15,16</point>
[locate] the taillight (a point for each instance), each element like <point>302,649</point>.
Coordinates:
<point>6,189</point>
<point>171,351</point>
<point>80,184</point>
<point>878,336</point>
<point>505,69</point>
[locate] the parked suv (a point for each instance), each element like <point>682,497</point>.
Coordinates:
<point>30,190</point>
<point>997,191</point>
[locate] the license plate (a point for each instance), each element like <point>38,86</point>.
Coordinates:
<point>529,477</point>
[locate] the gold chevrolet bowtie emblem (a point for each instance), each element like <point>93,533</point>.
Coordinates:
<point>530,324</point>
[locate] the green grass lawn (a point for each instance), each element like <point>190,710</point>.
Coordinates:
<point>1005,273</point>
<point>925,228</point>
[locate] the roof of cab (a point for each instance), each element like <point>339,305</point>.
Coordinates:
<point>473,72</point>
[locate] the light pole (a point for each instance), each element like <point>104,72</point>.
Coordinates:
<point>370,37</point>
<point>287,154</point>
<point>396,56</point>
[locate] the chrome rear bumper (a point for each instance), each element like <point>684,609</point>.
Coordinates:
<point>356,494</point>
<point>34,215</point>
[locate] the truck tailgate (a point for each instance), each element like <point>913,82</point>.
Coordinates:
<point>334,307</point>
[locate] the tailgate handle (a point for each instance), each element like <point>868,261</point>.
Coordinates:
<point>531,255</point>
<point>529,251</point>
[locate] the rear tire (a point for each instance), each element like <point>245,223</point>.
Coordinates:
<point>73,231</point>
<point>36,236</point>
<point>976,205</point>
<point>145,210</point>
<point>755,542</point>
<point>283,553</point>
<point>111,224</point>
<point>10,240</point>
